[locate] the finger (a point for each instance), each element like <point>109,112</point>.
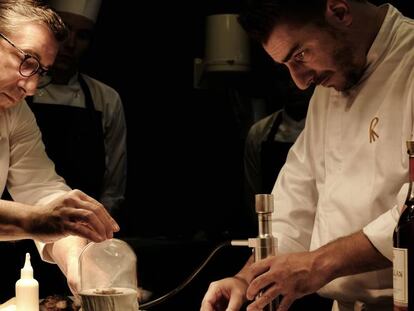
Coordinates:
<point>104,217</point>
<point>258,284</point>
<point>84,218</point>
<point>285,304</point>
<point>206,306</point>
<point>88,198</point>
<point>260,302</point>
<point>104,213</point>
<point>74,287</point>
<point>260,267</point>
<point>73,291</point>
<point>84,231</point>
<point>266,297</point>
<point>234,303</point>
<point>209,299</point>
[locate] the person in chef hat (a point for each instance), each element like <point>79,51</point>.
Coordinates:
<point>80,16</point>
<point>89,9</point>
<point>82,119</point>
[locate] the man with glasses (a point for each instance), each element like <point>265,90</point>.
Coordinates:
<point>44,207</point>
<point>76,112</point>
<point>30,64</point>
<point>81,119</point>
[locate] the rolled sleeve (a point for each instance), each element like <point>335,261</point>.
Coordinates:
<point>380,231</point>
<point>44,254</point>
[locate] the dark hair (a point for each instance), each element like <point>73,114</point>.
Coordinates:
<point>259,17</point>
<point>14,13</point>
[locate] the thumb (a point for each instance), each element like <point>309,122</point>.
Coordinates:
<point>235,303</point>
<point>285,304</point>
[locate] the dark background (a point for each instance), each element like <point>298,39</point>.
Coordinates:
<point>185,173</point>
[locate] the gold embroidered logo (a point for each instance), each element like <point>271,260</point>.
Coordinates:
<point>372,134</point>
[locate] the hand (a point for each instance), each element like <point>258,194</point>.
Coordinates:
<point>74,213</point>
<point>291,276</point>
<point>227,294</point>
<point>72,275</point>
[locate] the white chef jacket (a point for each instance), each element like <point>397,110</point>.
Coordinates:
<point>107,101</point>
<point>24,166</point>
<point>346,169</point>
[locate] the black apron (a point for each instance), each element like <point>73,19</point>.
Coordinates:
<point>74,140</point>
<point>272,155</point>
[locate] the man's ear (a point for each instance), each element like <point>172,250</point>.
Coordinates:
<point>338,13</point>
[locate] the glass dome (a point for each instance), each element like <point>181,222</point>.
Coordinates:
<point>108,276</point>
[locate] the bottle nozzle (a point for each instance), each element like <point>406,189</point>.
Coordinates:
<point>27,270</point>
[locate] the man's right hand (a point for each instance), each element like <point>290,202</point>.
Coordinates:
<point>74,213</point>
<point>228,294</point>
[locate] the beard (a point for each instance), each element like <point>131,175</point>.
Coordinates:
<point>348,68</point>
<point>348,65</point>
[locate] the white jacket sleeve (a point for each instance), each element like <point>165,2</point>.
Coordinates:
<point>31,178</point>
<point>295,200</point>
<point>115,133</point>
<point>295,191</point>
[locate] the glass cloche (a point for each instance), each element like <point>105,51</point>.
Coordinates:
<point>108,276</point>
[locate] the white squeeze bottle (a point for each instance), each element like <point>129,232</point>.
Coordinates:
<point>27,289</point>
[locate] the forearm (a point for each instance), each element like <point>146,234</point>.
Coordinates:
<point>14,220</point>
<point>349,255</point>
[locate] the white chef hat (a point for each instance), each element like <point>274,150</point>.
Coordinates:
<point>86,8</point>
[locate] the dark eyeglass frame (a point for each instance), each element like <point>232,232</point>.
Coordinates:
<point>39,70</point>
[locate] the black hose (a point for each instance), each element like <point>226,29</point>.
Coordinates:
<point>176,290</point>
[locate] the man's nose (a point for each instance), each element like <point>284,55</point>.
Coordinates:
<point>302,76</point>
<point>29,84</point>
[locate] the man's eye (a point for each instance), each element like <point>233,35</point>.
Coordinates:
<point>300,56</point>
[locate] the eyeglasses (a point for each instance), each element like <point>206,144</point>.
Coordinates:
<point>30,65</point>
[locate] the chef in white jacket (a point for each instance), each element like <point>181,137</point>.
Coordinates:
<point>338,198</point>
<point>44,207</point>
<point>77,112</point>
